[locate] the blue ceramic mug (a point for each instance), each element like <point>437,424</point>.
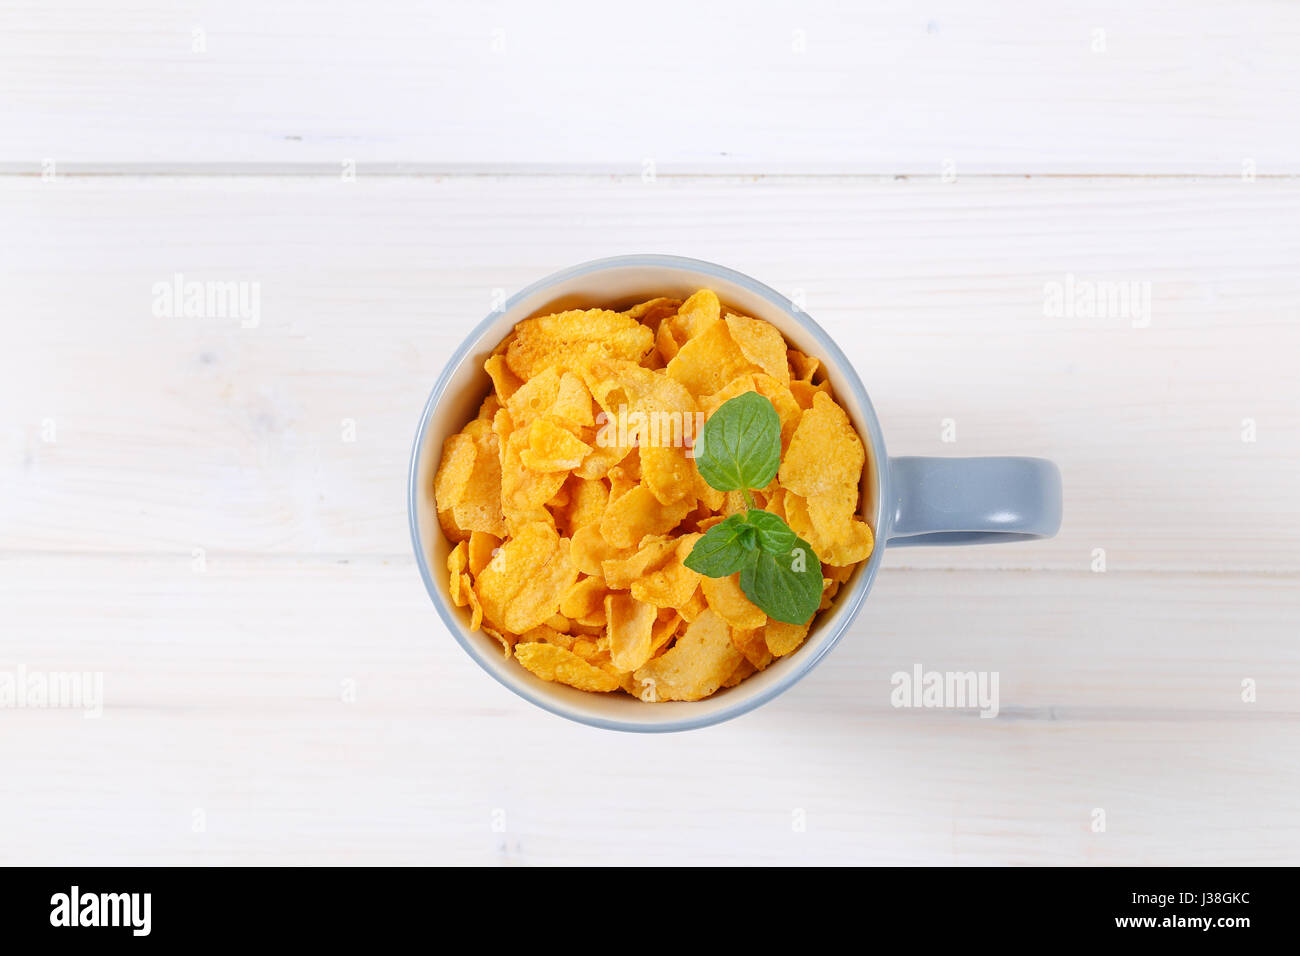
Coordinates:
<point>907,501</point>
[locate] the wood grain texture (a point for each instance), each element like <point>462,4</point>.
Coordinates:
<point>179,433</point>
<point>224,693</point>
<point>757,87</point>
<point>922,177</point>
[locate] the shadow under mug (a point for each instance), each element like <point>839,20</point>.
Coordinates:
<point>906,501</point>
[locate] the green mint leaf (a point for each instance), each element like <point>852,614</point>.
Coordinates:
<point>788,587</point>
<point>770,532</point>
<point>740,450</point>
<point>724,549</point>
<point>741,444</point>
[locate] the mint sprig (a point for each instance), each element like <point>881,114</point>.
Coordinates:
<point>741,444</point>
<point>740,450</point>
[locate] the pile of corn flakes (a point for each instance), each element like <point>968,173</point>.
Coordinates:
<point>573,501</point>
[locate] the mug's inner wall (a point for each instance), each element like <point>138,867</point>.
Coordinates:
<point>466,386</point>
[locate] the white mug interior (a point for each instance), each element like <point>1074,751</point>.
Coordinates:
<point>617,283</point>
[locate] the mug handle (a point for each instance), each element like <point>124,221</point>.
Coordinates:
<point>973,500</point>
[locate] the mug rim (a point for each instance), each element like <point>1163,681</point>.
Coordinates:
<point>847,373</point>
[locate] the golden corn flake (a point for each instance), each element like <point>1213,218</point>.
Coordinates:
<point>824,452</point>
<point>553,448</point>
<point>802,367</point>
<point>846,538</point>
<point>476,608</point>
<point>805,393</point>
<point>638,513</point>
<point>840,573</point>
<point>584,599</point>
<point>482,546</point>
<point>572,499</point>
<point>787,408</point>
<point>477,504</point>
<point>726,598</point>
<point>710,497</point>
<point>631,631</point>
<point>667,625</point>
<point>587,500</point>
<point>522,586</point>
<point>524,492</point>
<point>761,343</point>
<point>736,387</point>
<point>654,553</point>
<point>783,638</point>
<point>567,338</point>
<point>457,464</point>
<point>602,459</point>
<point>709,361</point>
<point>456,561</point>
<point>752,642</point>
<point>553,663</point>
<point>667,343</point>
<point>694,667</point>
<point>573,402</point>
<point>534,398</point>
<point>548,635</point>
<point>589,650</point>
<point>590,551</point>
<point>595,623</point>
<point>659,415</point>
<point>628,470</point>
<point>488,410</point>
<point>504,381</point>
<point>669,475</point>
<point>743,669</point>
<point>559,501</point>
<point>829,590</point>
<point>672,585</point>
<point>697,313</point>
<point>614,384</point>
<point>653,311</point>
<point>450,530</point>
<point>693,608</point>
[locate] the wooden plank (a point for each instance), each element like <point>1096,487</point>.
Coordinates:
<point>1196,87</point>
<point>182,511</point>
<point>1070,644</point>
<point>402,789</point>
<point>224,694</point>
<point>174,434</point>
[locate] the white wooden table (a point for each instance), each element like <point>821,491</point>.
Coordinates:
<point>181,508</point>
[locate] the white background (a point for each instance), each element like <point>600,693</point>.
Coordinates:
<point>920,172</point>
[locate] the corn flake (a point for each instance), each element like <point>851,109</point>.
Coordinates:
<point>761,343</point>
<point>569,337</point>
<point>694,667</point>
<point>553,663</point>
<point>522,586</point>
<point>824,451</point>
<point>572,501</point>
<point>726,598</point>
<point>631,631</point>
